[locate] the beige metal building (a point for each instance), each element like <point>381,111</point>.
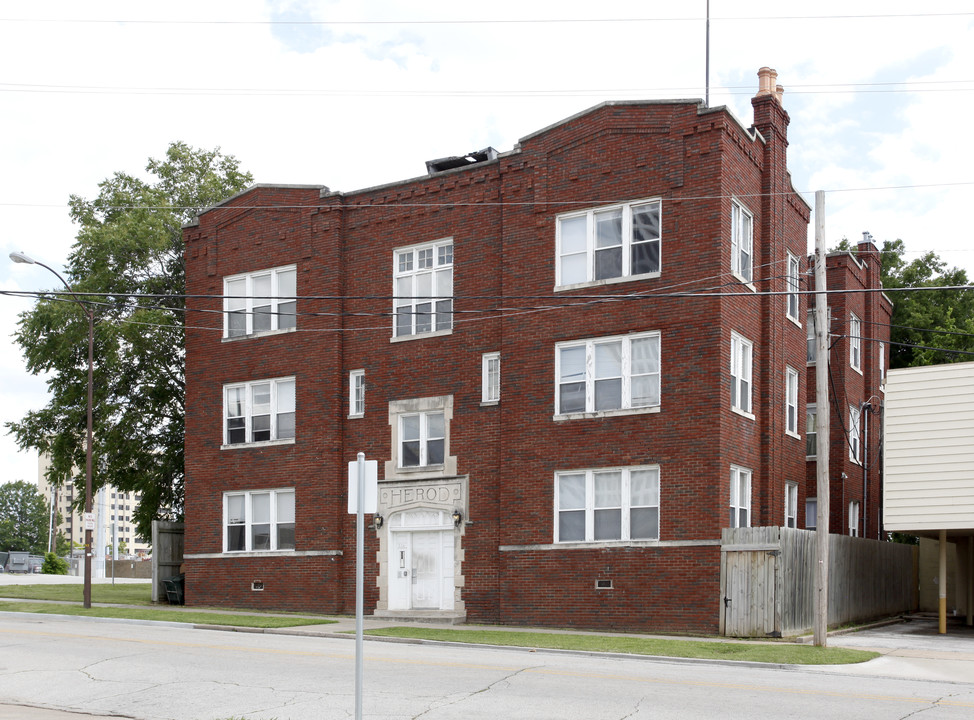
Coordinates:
<point>929,468</point>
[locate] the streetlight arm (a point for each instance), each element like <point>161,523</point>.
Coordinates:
<point>25,259</point>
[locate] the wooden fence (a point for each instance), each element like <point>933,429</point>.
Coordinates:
<point>167,554</point>
<point>767,580</point>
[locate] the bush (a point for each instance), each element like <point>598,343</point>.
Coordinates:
<point>54,565</point>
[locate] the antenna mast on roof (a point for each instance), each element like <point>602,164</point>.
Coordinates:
<point>707,61</point>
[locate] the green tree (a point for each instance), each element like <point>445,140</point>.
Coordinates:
<point>127,265</point>
<point>928,318</point>
<point>23,518</point>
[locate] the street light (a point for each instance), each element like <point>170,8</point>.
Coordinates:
<point>19,257</point>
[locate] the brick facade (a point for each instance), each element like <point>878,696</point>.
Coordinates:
<point>853,281</point>
<point>504,562</point>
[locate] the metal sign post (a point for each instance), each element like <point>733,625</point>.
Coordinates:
<point>362,498</point>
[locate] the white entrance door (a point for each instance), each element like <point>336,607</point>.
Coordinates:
<point>421,564</point>
<point>426,573</point>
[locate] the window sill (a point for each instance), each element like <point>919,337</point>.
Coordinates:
<point>738,411</point>
<point>855,369</point>
<point>605,413</point>
<point>489,403</point>
<point>356,416</point>
<point>749,284</point>
<point>635,542</point>
<point>791,434</point>
<point>811,458</point>
<point>261,444</point>
<point>607,281</point>
<point>258,553</point>
<point>794,320</point>
<point>420,469</point>
<point>260,334</point>
<point>420,336</point>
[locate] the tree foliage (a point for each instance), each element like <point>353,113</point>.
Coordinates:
<point>54,565</point>
<point>24,518</point>
<point>127,265</point>
<point>928,323</point>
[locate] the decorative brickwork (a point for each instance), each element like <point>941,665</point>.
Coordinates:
<point>497,560</point>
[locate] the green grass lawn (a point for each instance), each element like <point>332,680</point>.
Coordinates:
<point>123,593</point>
<point>68,599</point>
<point>781,652</point>
<point>164,614</point>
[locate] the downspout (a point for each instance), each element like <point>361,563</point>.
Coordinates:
<point>866,407</point>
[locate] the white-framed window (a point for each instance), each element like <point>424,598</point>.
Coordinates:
<point>855,446</point>
<point>811,432</point>
<point>812,350</point>
<point>260,302</point>
<point>855,343</point>
<point>607,504</point>
<point>423,288</point>
<point>422,439</point>
<point>619,241</point>
<point>793,287</point>
<point>791,505</point>
<point>490,383</point>
<point>742,242</point>
<point>811,513</point>
<point>740,497</point>
<point>258,520</point>
<point>258,411</point>
<point>356,393</point>
<point>740,372</point>
<point>811,347</point>
<point>605,374</point>
<point>791,401</point>
<point>882,365</point>
<point>854,518</point>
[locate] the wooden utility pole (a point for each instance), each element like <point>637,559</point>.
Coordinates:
<point>821,603</point>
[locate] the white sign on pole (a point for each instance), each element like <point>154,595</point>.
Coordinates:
<point>89,520</point>
<point>371,503</point>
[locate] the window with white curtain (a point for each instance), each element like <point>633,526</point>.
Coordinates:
<point>601,505</point>
<point>261,301</point>
<point>258,411</point>
<point>607,374</point>
<point>258,520</point>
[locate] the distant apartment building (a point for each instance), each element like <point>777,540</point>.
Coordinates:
<point>110,505</point>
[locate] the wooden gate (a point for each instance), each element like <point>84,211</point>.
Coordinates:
<point>751,586</point>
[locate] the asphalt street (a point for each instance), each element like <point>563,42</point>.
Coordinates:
<point>64,668</point>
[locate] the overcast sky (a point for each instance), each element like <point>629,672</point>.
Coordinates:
<point>351,94</point>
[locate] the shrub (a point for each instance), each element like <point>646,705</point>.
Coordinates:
<point>54,565</point>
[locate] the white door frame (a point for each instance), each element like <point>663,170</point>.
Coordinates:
<point>437,525</point>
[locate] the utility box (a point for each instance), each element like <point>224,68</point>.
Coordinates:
<point>18,561</point>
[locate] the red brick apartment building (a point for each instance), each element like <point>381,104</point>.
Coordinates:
<point>859,340</point>
<point>564,357</point>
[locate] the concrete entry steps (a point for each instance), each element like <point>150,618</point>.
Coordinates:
<point>436,617</point>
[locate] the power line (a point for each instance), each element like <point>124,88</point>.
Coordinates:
<point>486,21</point>
<point>505,203</point>
<point>811,89</point>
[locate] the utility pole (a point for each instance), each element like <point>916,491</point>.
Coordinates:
<point>821,604</point>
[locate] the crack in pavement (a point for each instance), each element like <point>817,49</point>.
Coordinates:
<point>467,696</point>
<point>635,709</point>
<point>933,705</point>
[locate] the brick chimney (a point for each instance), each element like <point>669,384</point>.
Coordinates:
<point>770,117</point>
